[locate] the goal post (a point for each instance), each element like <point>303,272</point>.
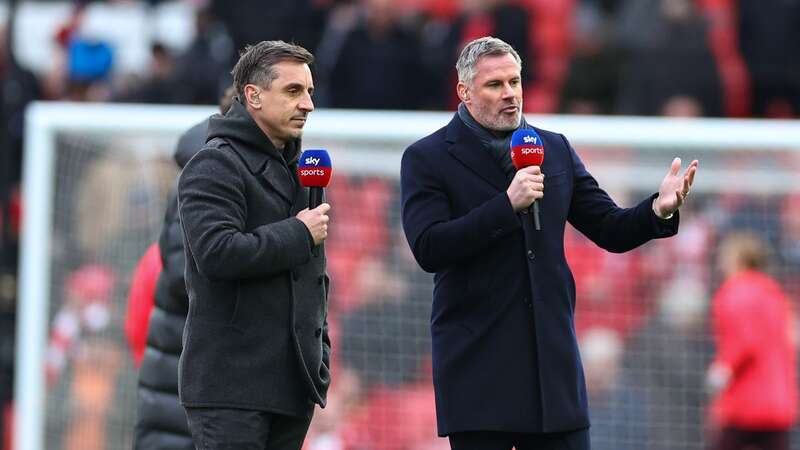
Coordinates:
<point>632,154</point>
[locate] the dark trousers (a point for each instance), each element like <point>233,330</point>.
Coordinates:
<point>493,440</point>
<point>739,439</point>
<point>241,429</point>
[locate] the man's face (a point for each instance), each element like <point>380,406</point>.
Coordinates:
<point>281,111</point>
<point>494,97</point>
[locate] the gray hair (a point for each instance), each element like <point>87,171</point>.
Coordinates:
<point>255,65</point>
<point>474,50</point>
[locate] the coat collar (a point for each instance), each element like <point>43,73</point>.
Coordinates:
<point>256,160</point>
<point>468,149</point>
<point>239,129</point>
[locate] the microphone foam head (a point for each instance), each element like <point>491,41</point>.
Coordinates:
<point>527,149</point>
<point>314,168</point>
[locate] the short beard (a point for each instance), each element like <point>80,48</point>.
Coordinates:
<point>498,122</point>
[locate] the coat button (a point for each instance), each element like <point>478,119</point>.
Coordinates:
<point>318,332</point>
<point>528,303</point>
<point>525,211</point>
<point>530,254</point>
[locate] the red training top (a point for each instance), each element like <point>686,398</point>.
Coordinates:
<point>141,300</point>
<point>754,331</point>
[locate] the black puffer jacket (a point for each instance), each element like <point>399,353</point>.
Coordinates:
<point>161,420</point>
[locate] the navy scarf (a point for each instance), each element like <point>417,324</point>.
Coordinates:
<point>498,145</point>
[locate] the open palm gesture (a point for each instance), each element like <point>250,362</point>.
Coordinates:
<point>674,189</point>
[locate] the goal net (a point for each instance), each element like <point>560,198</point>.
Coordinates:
<point>95,184</point>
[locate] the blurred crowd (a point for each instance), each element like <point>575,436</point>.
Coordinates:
<point>642,321</point>
<point>650,57</point>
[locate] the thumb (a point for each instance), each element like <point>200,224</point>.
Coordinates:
<point>675,167</point>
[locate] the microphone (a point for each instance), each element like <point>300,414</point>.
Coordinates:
<point>314,171</point>
<point>527,149</point>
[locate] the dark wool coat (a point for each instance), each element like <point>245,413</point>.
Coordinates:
<point>256,335</point>
<point>505,355</point>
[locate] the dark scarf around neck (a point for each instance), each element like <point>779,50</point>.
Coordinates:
<point>498,145</point>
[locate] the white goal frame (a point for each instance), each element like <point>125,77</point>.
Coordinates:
<point>44,120</point>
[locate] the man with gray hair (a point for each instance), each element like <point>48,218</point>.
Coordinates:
<point>256,353</point>
<point>506,367</point>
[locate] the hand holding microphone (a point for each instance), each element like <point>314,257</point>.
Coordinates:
<point>317,221</point>
<point>527,154</point>
<point>526,187</point>
<point>314,171</point>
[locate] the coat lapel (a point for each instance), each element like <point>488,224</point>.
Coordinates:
<point>468,149</point>
<point>278,176</point>
<point>270,170</point>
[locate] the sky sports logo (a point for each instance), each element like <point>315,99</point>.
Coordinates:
<point>530,140</point>
<point>530,150</point>
<point>312,172</point>
<point>315,168</point>
<point>311,161</point>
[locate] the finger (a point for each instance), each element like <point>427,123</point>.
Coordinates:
<point>675,167</point>
<point>691,166</point>
<point>691,172</point>
<point>535,185</point>
<point>533,170</point>
<point>679,197</point>
<point>528,182</point>
<point>525,177</point>
<point>686,186</point>
<point>538,178</point>
<point>323,208</point>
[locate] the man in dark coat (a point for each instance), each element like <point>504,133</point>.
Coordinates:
<point>506,368</point>
<point>256,353</point>
<point>160,418</point>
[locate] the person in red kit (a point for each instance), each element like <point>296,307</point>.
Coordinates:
<point>754,375</point>
<point>141,298</point>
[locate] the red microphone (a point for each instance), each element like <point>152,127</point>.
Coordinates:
<point>527,149</point>
<point>314,170</point>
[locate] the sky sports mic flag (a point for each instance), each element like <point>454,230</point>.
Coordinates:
<point>527,149</point>
<point>314,171</point>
